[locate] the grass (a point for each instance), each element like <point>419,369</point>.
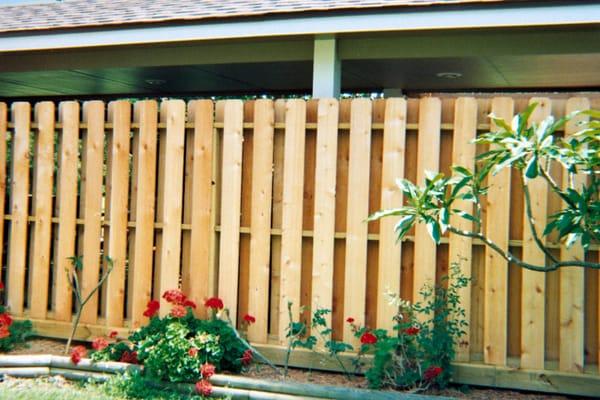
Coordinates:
<point>57,388</point>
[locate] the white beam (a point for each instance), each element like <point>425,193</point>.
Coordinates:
<point>326,68</point>
<point>400,19</point>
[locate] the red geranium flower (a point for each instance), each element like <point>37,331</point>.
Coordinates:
<point>413,330</point>
<point>174,296</point>
<point>192,352</point>
<point>189,303</point>
<point>178,311</point>
<point>214,302</point>
<point>432,372</point>
<point>207,370</point>
<point>77,354</point>
<point>204,387</point>
<point>151,308</point>
<point>249,319</point>
<point>99,344</point>
<point>113,334</point>
<point>5,320</point>
<point>1,285</point>
<point>350,320</point>
<point>4,332</point>
<point>247,357</point>
<point>368,338</point>
<point>129,357</point>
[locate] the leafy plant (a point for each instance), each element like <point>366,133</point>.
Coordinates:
<point>296,334</point>
<point>418,353</point>
<point>533,150</point>
<point>12,333</point>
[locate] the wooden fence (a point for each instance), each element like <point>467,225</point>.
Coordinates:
<point>264,202</point>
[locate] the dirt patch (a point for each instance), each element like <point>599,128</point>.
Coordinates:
<point>57,347</point>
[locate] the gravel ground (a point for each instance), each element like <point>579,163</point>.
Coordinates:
<point>56,347</point>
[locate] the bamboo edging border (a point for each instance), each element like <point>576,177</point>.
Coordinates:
<point>32,366</point>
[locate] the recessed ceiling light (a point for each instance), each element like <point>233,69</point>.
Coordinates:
<point>155,82</point>
<point>448,75</point>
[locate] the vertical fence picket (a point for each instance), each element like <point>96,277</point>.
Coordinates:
<point>260,230</point>
<point>145,114</point>
<point>200,113</point>
<point>3,166</point>
<point>120,116</point>
<point>92,172</point>
<point>496,268</point>
<point>291,225</point>
<point>534,283</point>
<point>67,208</point>
<point>172,112</point>
<point>358,210</point>
<point>463,154</point>
<point>231,204</point>
<point>572,284</point>
<point>17,255</point>
<point>394,141</point>
<point>324,205</point>
<point>276,211</point>
<point>428,160</point>
<point>42,209</point>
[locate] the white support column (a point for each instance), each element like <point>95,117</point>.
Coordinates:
<point>326,68</point>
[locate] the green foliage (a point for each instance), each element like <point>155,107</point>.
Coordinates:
<point>113,352</point>
<point>533,150</point>
<point>418,353</point>
<point>20,331</point>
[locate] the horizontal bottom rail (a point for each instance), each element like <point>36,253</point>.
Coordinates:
<point>474,373</point>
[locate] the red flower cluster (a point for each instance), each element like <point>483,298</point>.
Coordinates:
<point>1,285</point>
<point>431,373</point>
<point>151,308</point>
<point>368,338</point>
<point>204,387</point>
<point>249,319</point>
<point>77,353</point>
<point>99,344</point>
<point>177,298</point>
<point>193,352</point>
<point>178,311</point>
<point>129,357</point>
<point>5,322</point>
<point>207,370</point>
<point>350,320</point>
<point>247,357</point>
<point>214,302</point>
<point>113,334</point>
<point>413,330</point>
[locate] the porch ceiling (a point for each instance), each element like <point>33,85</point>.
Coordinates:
<point>495,60</point>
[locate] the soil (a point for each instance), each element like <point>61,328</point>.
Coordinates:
<point>56,347</point>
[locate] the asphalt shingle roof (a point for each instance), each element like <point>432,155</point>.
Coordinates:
<point>96,13</point>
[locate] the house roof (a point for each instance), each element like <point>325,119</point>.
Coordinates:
<point>100,13</point>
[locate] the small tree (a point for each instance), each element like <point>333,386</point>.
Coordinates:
<point>532,150</point>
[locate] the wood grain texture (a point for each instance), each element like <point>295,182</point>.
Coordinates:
<point>324,206</point>
<point>231,192</point>
<point>355,276</point>
<point>260,230</point>
<point>120,116</point>
<point>291,225</point>
<point>534,283</point>
<point>145,114</point>
<point>172,113</point>
<point>460,247</point>
<point>93,117</point>
<point>389,271</point>
<point>496,268</point>
<point>42,209</point>
<point>67,208</point>
<point>200,113</point>
<point>428,160</point>
<point>572,280</point>
<point>17,255</point>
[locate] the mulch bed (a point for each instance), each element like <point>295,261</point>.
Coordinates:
<point>56,347</point>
